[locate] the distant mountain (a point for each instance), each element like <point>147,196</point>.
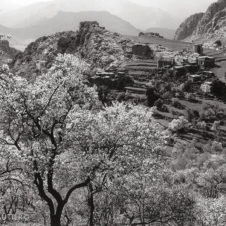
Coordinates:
<point>208,25</point>
<point>140,16</point>
<point>67,21</point>
<point>165,32</point>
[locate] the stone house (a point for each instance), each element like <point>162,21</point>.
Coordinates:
<point>206,87</point>
<point>195,78</point>
<point>206,62</point>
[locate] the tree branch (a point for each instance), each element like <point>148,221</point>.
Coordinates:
<point>50,99</point>
<point>75,187</point>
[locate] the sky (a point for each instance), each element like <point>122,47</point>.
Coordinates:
<point>26,2</point>
<point>178,8</point>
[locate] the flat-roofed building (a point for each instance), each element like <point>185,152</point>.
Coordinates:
<point>198,48</point>
<point>206,61</point>
<point>105,73</point>
<point>195,78</point>
<point>166,61</point>
<point>206,87</point>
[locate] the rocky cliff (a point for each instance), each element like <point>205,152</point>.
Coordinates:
<point>98,46</point>
<point>212,22</point>
<point>187,28</point>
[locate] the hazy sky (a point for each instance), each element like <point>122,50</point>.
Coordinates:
<point>179,8</point>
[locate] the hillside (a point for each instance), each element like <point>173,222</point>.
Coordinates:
<point>209,25</point>
<point>98,46</point>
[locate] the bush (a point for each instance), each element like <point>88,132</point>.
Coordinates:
<point>167,95</point>
<point>121,97</point>
<point>192,114</point>
<point>152,96</point>
<point>186,87</point>
<point>218,88</point>
<point>177,104</point>
<point>218,43</point>
<point>217,147</point>
<point>159,103</point>
<point>202,125</point>
<point>190,97</point>
<point>165,108</point>
<point>179,125</point>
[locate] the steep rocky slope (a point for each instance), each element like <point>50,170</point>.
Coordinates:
<point>100,47</point>
<point>211,24</point>
<point>213,19</point>
<point>187,28</point>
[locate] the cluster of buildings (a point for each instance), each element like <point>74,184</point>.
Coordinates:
<point>141,71</point>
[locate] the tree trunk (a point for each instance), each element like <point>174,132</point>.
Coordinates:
<point>91,205</point>
<point>55,220</point>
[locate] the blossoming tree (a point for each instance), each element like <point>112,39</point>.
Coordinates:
<point>63,140</point>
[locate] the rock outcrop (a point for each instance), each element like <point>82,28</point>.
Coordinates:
<point>96,45</point>
<point>100,46</point>
<point>150,34</point>
<point>188,27</point>
<point>211,23</point>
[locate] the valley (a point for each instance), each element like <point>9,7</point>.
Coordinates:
<point>110,116</point>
